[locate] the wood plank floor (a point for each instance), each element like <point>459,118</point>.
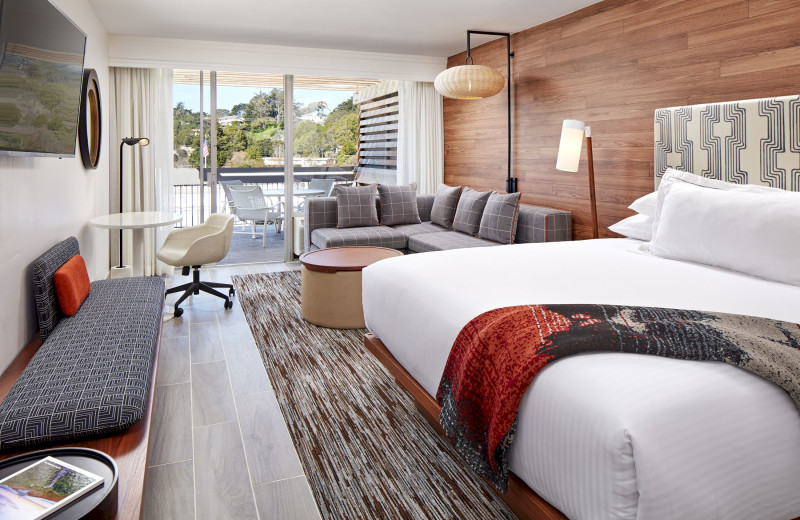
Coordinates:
<point>219,447</point>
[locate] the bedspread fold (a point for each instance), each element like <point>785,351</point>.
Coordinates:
<point>497,355</point>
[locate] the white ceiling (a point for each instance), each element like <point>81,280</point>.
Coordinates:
<point>419,27</point>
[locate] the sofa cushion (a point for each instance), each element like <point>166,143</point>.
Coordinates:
<point>92,375</point>
<point>48,312</point>
<point>72,285</point>
<point>470,210</point>
<point>415,229</point>
<point>499,220</point>
<point>425,204</point>
<point>355,206</point>
<point>399,204</point>
<point>445,203</point>
<point>443,240</point>
<point>379,236</point>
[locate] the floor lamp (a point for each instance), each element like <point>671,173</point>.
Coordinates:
<point>130,141</point>
<point>569,157</point>
<point>470,81</point>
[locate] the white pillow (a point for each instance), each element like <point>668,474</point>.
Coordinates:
<point>646,205</point>
<point>750,232</point>
<point>639,227</point>
<point>672,175</point>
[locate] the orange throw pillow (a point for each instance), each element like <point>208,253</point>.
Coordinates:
<point>72,284</point>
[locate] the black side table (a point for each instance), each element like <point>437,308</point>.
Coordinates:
<point>98,504</point>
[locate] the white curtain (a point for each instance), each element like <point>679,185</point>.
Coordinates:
<point>420,140</point>
<point>141,106</point>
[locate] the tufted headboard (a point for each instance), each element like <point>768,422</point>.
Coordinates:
<point>746,142</point>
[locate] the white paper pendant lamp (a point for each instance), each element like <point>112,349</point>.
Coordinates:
<point>469,82</point>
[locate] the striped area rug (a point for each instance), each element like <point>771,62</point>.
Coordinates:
<point>366,450</point>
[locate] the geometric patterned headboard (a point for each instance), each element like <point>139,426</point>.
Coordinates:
<point>744,142</point>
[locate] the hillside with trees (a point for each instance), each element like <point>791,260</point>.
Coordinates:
<point>257,132</point>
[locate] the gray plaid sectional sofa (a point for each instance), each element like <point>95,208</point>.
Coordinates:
<point>535,224</point>
<point>91,376</point>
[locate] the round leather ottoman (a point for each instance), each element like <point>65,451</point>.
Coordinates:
<point>331,284</point>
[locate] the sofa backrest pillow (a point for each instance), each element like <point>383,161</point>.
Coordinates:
<point>499,219</point>
<point>470,210</point>
<point>355,206</point>
<point>444,207</point>
<point>399,204</point>
<point>72,285</point>
<point>48,312</point>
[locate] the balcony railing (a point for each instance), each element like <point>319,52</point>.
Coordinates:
<point>187,191</point>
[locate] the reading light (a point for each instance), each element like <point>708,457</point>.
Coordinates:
<point>130,141</point>
<point>470,81</point>
<point>569,157</point>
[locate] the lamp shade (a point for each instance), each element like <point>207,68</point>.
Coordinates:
<point>130,141</point>
<point>469,82</point>
<point>569,150</point>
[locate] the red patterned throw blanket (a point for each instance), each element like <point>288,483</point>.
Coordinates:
<point>497,355</point>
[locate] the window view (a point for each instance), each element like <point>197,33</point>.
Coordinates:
<point>251,155</point>
<point>250,128</point>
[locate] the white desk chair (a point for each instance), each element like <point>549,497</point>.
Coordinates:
<point>195,246</point>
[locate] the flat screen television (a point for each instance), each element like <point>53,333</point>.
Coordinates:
<point>41,74</point>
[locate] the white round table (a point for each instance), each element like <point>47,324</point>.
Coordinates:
<point>138,221</point>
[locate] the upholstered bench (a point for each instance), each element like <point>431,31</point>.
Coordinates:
<point>91,376</point>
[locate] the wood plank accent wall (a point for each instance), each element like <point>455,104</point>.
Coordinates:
<point>611,65</point>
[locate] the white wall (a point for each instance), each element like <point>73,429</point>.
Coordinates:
<point>44,200</point>
<point>136,51</point>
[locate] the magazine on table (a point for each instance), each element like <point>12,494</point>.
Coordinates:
<point>43,488</point>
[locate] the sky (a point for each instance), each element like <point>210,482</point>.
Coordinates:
<point>227,97</point>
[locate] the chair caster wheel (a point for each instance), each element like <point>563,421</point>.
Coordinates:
<point>178,312</point>
<point>231,293</point>
<point>228,305</point>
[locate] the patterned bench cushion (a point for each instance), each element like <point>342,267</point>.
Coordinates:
<point>379,236</point>
<point>444,240</point>
<point>415,229</point>
<point>91,376</point>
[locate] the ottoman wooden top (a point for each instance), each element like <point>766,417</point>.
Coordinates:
<point>349,258</point>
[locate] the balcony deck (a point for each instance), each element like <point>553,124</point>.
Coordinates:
<point>244,248</point>
<point>247,250</point>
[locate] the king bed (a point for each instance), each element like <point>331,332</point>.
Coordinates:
<point>616,435</point>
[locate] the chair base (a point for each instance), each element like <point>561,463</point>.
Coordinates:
<point>195,286</point>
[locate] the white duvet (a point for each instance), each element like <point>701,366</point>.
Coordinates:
<point>611,435</point>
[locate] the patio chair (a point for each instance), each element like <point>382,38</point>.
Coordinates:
<point>322,184</point>
<point>319,184</point>
<point>252,206</point>
<point>226,187</point>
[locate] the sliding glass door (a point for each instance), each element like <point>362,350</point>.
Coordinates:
<point>240,141</point>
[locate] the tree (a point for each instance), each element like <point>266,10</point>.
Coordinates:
<point>261,134</point>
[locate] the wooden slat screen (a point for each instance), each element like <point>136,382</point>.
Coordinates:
<point>377,140</point>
